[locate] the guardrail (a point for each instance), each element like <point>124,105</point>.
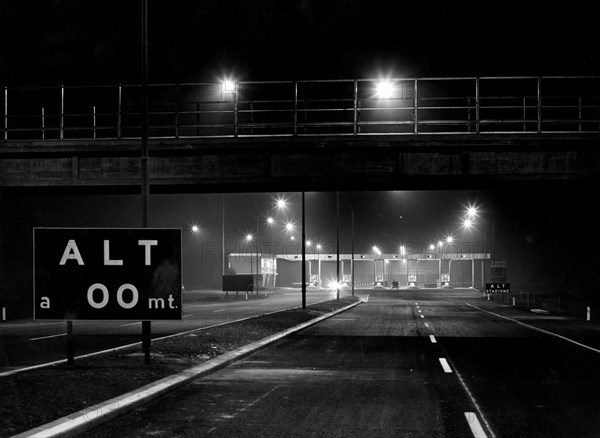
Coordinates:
<point>487,105</point>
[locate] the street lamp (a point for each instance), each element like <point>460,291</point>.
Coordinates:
<point>377,251</point>
<point>249,238</point>
<point>319,246</point>
<point>385,89</point>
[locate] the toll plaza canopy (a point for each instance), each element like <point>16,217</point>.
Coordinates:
<point>391,270</point>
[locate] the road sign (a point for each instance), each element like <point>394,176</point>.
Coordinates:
<point>107,274</point>
<point>497,288</point>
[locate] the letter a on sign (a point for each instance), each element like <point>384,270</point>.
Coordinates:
<point>71,252</point>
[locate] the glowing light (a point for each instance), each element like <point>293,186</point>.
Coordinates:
<point>449,239</point>
<point>334,285</point>
<point>376,250</point>
<point>195,228</point>
<point>308,243</point>
<point>471,211</point>
<point>270,221</point>
<point>319,246</point>
<point>249,237</point>
<point>280,203</point>
<point>385,89</point>
<point>467,223</point>
<point>289,226</point>
<point>229,85</point>
<point>432,247</point>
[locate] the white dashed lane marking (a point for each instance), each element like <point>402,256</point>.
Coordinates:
<point>445,365</point>
<point>475,425</point>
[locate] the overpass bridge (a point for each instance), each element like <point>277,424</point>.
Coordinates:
<point>437,133</point>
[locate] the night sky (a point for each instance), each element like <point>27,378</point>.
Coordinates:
<point>98,42</point>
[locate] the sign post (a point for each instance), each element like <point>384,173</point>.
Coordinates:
<point>106,274</point>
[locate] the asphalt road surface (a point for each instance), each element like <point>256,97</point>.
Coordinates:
<point>26,342</point>
<point>423,363</point>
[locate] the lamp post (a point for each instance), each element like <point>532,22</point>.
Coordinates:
<point>377,252</point>
<point>337,198</point>
<point>278,204</point>
<point>309,244</point>
<point>249,239</point>
<point>318,264</point>
<point>303,255</point>
<point>472,213</point>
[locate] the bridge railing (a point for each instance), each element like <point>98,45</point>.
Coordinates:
<point>499,105</point>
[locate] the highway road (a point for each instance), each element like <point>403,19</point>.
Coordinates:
<point>26,342</point>
<point>418,363</point>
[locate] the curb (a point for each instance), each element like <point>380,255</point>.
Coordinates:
<point>86,419</point>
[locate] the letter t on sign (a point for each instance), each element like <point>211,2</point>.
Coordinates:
<point>148,244</point>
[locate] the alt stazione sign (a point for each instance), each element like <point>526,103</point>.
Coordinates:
<point>107,274</point>
<point>497,288</point>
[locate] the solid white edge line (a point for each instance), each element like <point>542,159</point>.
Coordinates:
<point>445,365</point>
<point>537,329</point>
<point>432,339</point>
<point>475,425</point>
<point>474,402</point>
<point>48,337</point>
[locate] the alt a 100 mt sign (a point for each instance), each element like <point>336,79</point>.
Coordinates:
<point>107,274</point>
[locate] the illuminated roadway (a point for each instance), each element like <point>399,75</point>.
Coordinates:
<point>419,363</point>
<point>27,342</point>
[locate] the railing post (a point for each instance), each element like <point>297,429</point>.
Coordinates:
<point>539,105</point>
<point>477,107</point>
<point>43,124</point>
<point>295,108</point>
<point>94,115</point>
<point>119,112</point>
<point>5,113</point>
<point>416,107</point>
<point>235,111</point>
<point>355,107</point>
<point>62,112</point>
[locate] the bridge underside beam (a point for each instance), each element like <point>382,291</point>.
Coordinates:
<point>319,163</point>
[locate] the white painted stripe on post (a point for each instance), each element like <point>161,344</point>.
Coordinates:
<point>475,425</point>
<point>445,365</point>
